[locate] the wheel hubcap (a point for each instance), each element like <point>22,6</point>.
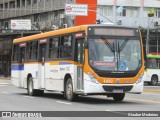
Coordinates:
<point>69,89</point>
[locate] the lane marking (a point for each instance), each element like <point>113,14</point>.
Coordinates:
<point>152,91</point>
<point>150,86</point>
<point>149,93</point>
<point>29,97</point>
<point>64,102</point>
<point>5,93</point>
<point>107,110</point>
<point>142,100</point>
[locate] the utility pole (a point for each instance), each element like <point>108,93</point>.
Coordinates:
<point>147,37</point>
<point>114,10</point>
<point>150,14</point>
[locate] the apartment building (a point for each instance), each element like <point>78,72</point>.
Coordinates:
<point>134,13</point>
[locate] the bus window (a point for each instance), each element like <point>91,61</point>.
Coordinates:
<point>42,53</point>
<point>152,63</point>
<point>34,48</point>
<point>16,53</point>
<point>66,47</point>
<point>22,53</point>
<point>27,55</point>
<point>53,48</point>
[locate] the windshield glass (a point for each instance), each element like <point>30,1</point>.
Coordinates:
<point>115,54</point>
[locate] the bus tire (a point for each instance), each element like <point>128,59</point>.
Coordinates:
<point>31,90</point>
<point>70,96</point>
<point>154,80</point>
<point>118,96</point>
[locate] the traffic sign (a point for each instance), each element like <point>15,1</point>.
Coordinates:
<point>24,24</point>
<point>76,9</point>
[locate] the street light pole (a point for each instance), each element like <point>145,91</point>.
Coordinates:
<point>150,14</point>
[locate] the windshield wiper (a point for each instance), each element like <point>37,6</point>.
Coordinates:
<point>109,45</point>
<point>122,46</point>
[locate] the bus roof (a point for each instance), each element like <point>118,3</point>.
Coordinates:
<point>153,56</point>
<point>50,33</point>
<point>59,32</point>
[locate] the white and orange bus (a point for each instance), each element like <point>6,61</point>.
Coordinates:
<point>81,60</point>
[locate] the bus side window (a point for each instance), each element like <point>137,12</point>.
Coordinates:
<point>53,48</point>
<point>34,50</point>
<point>66,46</point>
<point>15,53</point>
<point>27,55</point>
<point>22,54</point>
<point>152,63</point>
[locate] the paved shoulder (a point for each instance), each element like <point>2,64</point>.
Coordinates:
<point>4,81</point>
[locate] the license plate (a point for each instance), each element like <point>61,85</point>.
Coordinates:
<point>117,90</point>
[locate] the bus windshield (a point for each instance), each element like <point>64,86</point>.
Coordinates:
<point>115,54</point>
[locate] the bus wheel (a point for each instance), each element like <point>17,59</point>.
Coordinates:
<point>30,89</point>
<point>69,91</point>
<point>154,80</point>
<point>118,96</point>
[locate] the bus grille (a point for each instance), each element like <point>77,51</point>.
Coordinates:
<point>111,88</point>
<point>117,75</point>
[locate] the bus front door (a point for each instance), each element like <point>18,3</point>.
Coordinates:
<point>80,61</point>
<point>21,67</point>
<point>41,72</point>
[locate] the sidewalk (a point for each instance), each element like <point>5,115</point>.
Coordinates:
<point>5,78</point>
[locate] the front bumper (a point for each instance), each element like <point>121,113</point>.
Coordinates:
<point>90,87</point>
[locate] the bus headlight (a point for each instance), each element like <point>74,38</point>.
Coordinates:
<point>140,79</point>
<point>92,78</point>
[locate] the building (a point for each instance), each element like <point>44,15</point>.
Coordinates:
<point>134,13</point>
<point>45,15</point>
<point>48,15</point>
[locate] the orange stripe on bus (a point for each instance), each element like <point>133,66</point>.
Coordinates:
<point>51,33</point>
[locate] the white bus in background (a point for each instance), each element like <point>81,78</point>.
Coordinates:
<point>152,72</point>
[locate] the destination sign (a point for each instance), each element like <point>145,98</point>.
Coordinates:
<point>115,32</point>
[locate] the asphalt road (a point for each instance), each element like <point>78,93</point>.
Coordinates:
<point>16,99</point>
